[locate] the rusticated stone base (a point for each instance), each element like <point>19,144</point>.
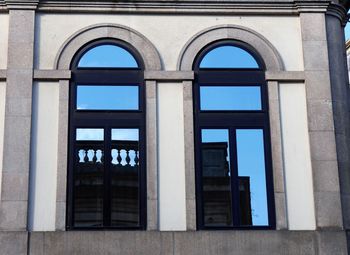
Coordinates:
<point>186,243</point>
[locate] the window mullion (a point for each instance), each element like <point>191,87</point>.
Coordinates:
<point>234,177</point>
<point>107,178</point>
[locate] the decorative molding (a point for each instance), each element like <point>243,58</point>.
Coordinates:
<point>269,54</point>
<point>169,75</point>
<point>312,6</point>
<point>146,49</point>
<point>262,7</point>
<point>339,12</point>
<point>182,6</point>
<point>52,75</point>
<point>21,4</point>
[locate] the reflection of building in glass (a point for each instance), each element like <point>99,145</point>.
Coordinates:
<point>121,191</point>
<point>216,184</point>
<point>244,200</point>
<point>215,161</point>
<point>217,187</point>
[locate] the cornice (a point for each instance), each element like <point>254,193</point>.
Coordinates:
<point>260,7</point>
<point>339,12</point>
<point>312,6</point>
<point>21,4</point>
<point>214,7</point>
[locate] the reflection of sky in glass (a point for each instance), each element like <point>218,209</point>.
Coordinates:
<point>251,162</point>
<point>230,98</point>
<point>228,57</point>
<point>89,134</point>
<point>107,56</point>
<point>214,135</point>
<point>107,97</point>
<point>124,134</point>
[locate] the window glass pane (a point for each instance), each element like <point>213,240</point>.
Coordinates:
<point>107,97</point>
<point>216,177</point>
<point>252,179</point>
<point>89,134</point>
<point>88,178</point>
<point>230,98</point>
<point>125,199</point>
<point>228,57</point>
<point>108,56</point>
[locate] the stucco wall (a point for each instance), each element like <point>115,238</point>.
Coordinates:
<point>297,160</point>
<point>169,35</point>
<point>44,151</point>
<point>171,151</point>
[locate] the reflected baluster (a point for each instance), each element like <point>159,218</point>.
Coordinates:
<point>86,158</point>
<point>136,158</point>
<point>102,157</point>
<point>79,158</point>
<point>94,158</point>
<point>119,158</point>
<point>127,158</point>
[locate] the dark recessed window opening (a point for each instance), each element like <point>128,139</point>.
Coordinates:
<point>233,156</point>
<point>106,171</point>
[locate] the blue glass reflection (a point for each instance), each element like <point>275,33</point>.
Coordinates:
<point>126,137</point>
<point>125,134</point>
<point>230,98</point>
<point>251,171</point>
<point>89,134</point>
<point>108,56</point>
<point>107,97</point>
<point>228,57</point>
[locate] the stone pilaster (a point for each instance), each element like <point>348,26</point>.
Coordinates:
<point>320,121</point>
<point>340,100</point>
<point>16,157</point>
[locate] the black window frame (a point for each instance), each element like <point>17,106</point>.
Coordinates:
<point>107,120</point>
<point>232,120</point>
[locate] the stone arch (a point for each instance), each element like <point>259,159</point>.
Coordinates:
<point>71,46</point>
<point>263,47</point>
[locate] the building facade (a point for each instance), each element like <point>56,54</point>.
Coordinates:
<point>223,129</point>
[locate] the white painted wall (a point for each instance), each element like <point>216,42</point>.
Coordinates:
<point>42,208</point>
<point>297,158</point>
<point>4,21</point>
<point>2,125</point>
<point>171,156</point>
<point>170,34</point>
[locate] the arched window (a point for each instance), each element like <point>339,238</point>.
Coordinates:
<point>106,186</point>
<point>233,161</point>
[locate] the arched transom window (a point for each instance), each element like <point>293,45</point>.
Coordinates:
<point>233,161</point>
<point>107,138</point>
